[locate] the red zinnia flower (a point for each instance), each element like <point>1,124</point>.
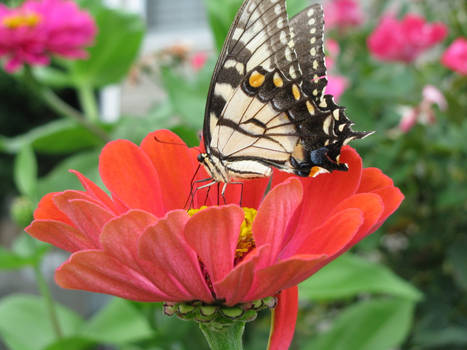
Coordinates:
<point>40,28</point>
<point>140,244</point>
<point>455,57</point>
<point>404,40</point>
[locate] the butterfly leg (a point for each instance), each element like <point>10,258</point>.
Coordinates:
<point>194,189</point>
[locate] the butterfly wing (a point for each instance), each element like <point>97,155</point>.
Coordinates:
<point>259,112</point>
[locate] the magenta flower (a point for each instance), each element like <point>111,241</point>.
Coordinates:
<point>404,40</point>
<point>337,84</point>
<point>38,29</point>
<point>455,57</point>
<point>342,14</point>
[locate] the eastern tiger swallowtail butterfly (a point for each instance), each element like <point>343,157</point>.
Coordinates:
<point>266,105</point>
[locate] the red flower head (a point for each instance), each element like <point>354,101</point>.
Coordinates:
<point>455,57</point>
<point>404,40</point>
<point>40,28</point>
<point>342,14</point>
<point>140,244</point>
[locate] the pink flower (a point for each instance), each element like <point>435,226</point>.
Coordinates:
<point>198,60</point>
<point>405,40</point>
<point>337,84</point>
<point>455,57</point>
<point>423,113</point>
<point>342,14</point>
<point>38,29</point>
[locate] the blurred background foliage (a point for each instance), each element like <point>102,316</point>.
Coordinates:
<point>403,287</point>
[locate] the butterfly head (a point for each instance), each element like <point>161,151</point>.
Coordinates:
<point>214,167</point>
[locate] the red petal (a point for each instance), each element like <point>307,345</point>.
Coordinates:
<point>333,235</point>
<point>174,164</point>
<point>96,271</point>
<point>98,194</point>
<point>60,235</point>
<point>120,236</point>
<point>213,233</point>
<point>392,198</point>
<point>373,179</point>
<point>284,318</point>
<point>165,246</point>
<point>372,207</point>
<point>325,191</point>
<point>237,283</point>
<point>283,275</point>
<point>47,210</point>
<point>270,225</point>
<point>88,217</point>
<point>130,176</point>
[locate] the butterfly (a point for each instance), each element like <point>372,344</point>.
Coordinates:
<point>266,105</point>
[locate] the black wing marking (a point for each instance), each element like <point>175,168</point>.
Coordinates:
<point>258,38</point>
<point>308,27</point>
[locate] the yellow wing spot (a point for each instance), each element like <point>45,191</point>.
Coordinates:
<point>21,20</point>
<point>311,108</point>
<point>296,92</point>
<point>313,51</point>
<point>323,103</point>
<point>257,79</point>
<point>315,92</point>
<point>278,82</point>
<point>315,64</point>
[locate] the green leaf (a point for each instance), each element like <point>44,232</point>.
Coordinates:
<point>221,15</point>
<point>25,173</point>
<point>380,324</point>
<point>117,323</point>
<point>25,252</point>
<point>57,137</point>
<point>458,261</point>
<point>116,47</point>
<point>52,77</point>
<point>295,6</point>
<point>436,338</point>
<point>25,322</point>
<point>59,179</point>
<point>350,275</point>
<point>188,97</point>
<point>73,343</point>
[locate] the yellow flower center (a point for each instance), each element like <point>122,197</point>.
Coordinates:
<point>246,241</point>
<point>21,20</point>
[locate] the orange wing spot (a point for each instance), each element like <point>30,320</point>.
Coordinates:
<point>257,79</point>
<point>316,170</point>
<point>296,92</point>
<point>278,82</point>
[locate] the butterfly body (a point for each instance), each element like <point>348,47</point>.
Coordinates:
<point>266,106</point>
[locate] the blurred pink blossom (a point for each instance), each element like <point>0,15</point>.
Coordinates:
<point>342,14</point>
<point>38,29</point>
<point>337,84</point>
<point>404,40</point>
<point>455,57</point>
<point>423,113</point>
<point>198,60</point>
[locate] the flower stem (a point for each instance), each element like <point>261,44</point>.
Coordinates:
<point>59,106</point>
<point>45,292</point>
<point>227,337</point>
<point>88,102</point>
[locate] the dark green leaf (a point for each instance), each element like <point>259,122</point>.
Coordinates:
<point>380,324</point>
<point>457,258</point>
<point>451,336</point>
<point>116,47</point>
<point>61,136</point>
<point>26,172</point>
<point>350,275</point>
<point>117,323</point>
<point>25,322</point>
<point>73,343</point>
<point>221,15</point>
<point>60,179</point>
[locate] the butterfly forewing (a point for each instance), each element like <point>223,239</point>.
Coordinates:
<point>266,105</point>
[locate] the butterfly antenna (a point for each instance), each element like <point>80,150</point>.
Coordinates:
<point>168,143</point>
